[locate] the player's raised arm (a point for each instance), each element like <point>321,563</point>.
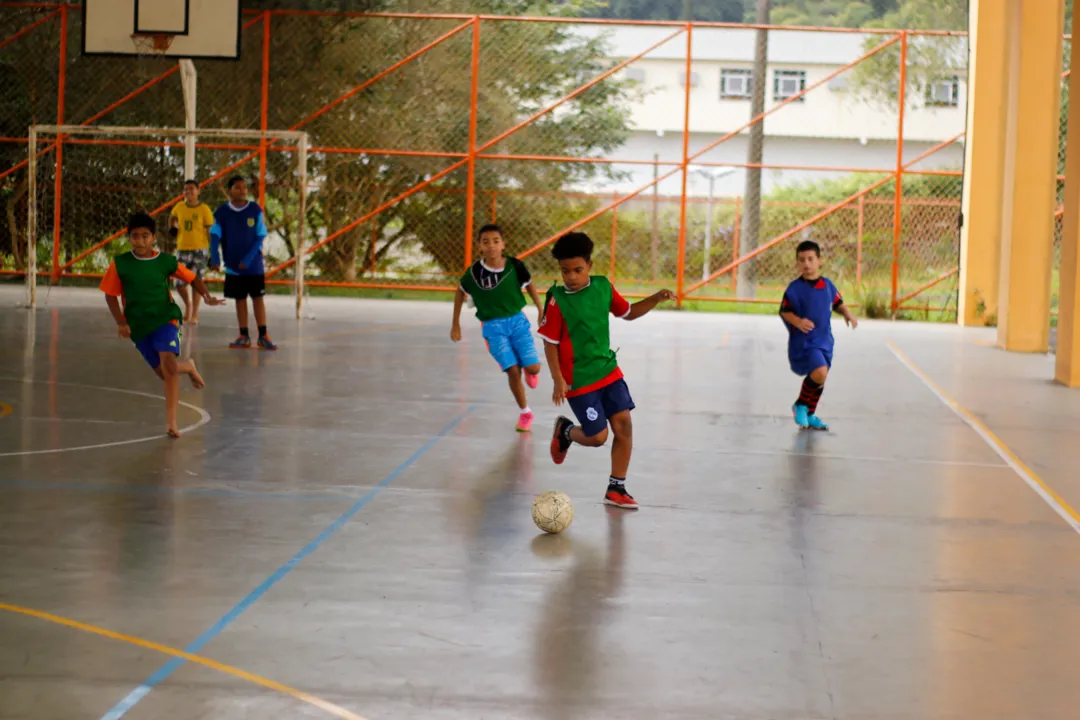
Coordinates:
<point>641,307</point>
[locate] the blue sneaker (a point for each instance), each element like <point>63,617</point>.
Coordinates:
<point>802,416</point>
<point>817,423</point>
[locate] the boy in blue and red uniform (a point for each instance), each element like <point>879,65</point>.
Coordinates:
<point>807,310</point>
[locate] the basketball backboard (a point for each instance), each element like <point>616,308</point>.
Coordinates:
<point>202,28</point>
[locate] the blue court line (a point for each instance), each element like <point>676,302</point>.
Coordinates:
<point>133,698</point>
<point>241,494</point>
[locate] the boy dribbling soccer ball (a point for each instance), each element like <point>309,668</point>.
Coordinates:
<point>577,344</point>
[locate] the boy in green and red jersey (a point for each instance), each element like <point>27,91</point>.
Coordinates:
<point>149,316</point>
<point>577,344</point>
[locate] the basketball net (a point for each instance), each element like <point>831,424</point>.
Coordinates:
<point>152,43</point>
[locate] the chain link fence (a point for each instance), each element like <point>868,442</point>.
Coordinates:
<point>425,128</point>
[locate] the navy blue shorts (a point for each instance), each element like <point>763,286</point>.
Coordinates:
<point>593,409</point>
<point>165,339</point>
<point>810,360</point>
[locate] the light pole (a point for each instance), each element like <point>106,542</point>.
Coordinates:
<point>713,174</point>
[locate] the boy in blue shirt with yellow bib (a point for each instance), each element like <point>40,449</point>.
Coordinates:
<point>807,309</point>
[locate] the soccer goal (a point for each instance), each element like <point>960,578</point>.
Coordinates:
<point>84,183</point>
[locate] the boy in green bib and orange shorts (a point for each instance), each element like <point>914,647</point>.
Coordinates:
<point>577,344</point>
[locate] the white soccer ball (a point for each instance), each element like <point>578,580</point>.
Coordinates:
<point>552,511</point>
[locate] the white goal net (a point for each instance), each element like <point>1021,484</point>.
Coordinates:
<point>84,183</point>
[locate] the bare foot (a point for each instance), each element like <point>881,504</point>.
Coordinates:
<point>193,321</point>
<point>173,432</point>
<point>187,318</point>
<point>197,381</point>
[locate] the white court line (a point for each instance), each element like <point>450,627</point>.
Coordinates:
<point>1051,498</point>
<point>204,417</point>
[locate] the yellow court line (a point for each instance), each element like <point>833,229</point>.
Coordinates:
<point>300,695</point>
<point>1057,503</point>
<point>5,409</point>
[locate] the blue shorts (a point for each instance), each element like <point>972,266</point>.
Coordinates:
<point>810,360</point>
<point>593,409</point>
<point>165,339</point>
<point>510,341</point>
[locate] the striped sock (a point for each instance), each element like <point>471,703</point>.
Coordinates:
<point>810,395</point>
<point>617,482</point>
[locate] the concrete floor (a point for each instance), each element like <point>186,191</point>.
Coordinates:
<point>352,521</point>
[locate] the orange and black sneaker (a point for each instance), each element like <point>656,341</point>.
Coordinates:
<point>616,495</point>
<point>560,439</point>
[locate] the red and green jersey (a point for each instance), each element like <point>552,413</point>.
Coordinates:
<point>578,323</point>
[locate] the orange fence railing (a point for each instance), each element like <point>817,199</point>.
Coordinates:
<point>423,127</point>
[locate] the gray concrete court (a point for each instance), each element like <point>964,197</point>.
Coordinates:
<point>350,518</point>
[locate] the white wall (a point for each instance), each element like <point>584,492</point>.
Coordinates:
<point>779,150</point>
<point>822,113</point>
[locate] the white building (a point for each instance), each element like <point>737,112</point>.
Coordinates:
<point>830,126</point>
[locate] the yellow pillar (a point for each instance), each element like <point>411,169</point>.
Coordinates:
<point>1029,197</point>
<point>1067,363</point>
<point>984,162</point>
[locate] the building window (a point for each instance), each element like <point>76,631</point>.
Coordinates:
<point>694,79</point>
<point>943,93</point>
<point>787,83</point>
<point>736,84</point>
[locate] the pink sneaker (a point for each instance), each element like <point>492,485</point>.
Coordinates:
<point>532,380</point>
<point>524,422</point>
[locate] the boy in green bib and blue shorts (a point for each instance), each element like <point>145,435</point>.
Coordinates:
<point>577,344</point>
<point>494,282</point>
<point>149,317</point>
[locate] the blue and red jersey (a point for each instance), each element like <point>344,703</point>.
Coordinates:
<point>815,300</point>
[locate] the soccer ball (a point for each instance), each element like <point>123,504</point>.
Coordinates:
<point>552,511</point>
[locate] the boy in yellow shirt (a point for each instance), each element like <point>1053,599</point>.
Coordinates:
<point>190,224</point>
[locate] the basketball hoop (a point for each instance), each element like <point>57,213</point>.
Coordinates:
<point>152,43</point>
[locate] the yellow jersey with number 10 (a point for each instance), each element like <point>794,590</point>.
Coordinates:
<point>194,227</point>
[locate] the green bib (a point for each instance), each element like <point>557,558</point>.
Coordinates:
<point>148,303</point>
<point>587,314</point>
<point>503,300</point>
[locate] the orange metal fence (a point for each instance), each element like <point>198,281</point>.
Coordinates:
<point>425,126</point>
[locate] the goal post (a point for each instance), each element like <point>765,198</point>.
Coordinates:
<point>84,182</point>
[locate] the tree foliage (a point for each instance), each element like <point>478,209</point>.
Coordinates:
<point>425,105</point>
<point>701,10</point>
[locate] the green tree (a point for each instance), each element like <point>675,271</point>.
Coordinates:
<point>828,13</point>
<point>702,10</point>
<point>929,58</point>
<point>425,105</point>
